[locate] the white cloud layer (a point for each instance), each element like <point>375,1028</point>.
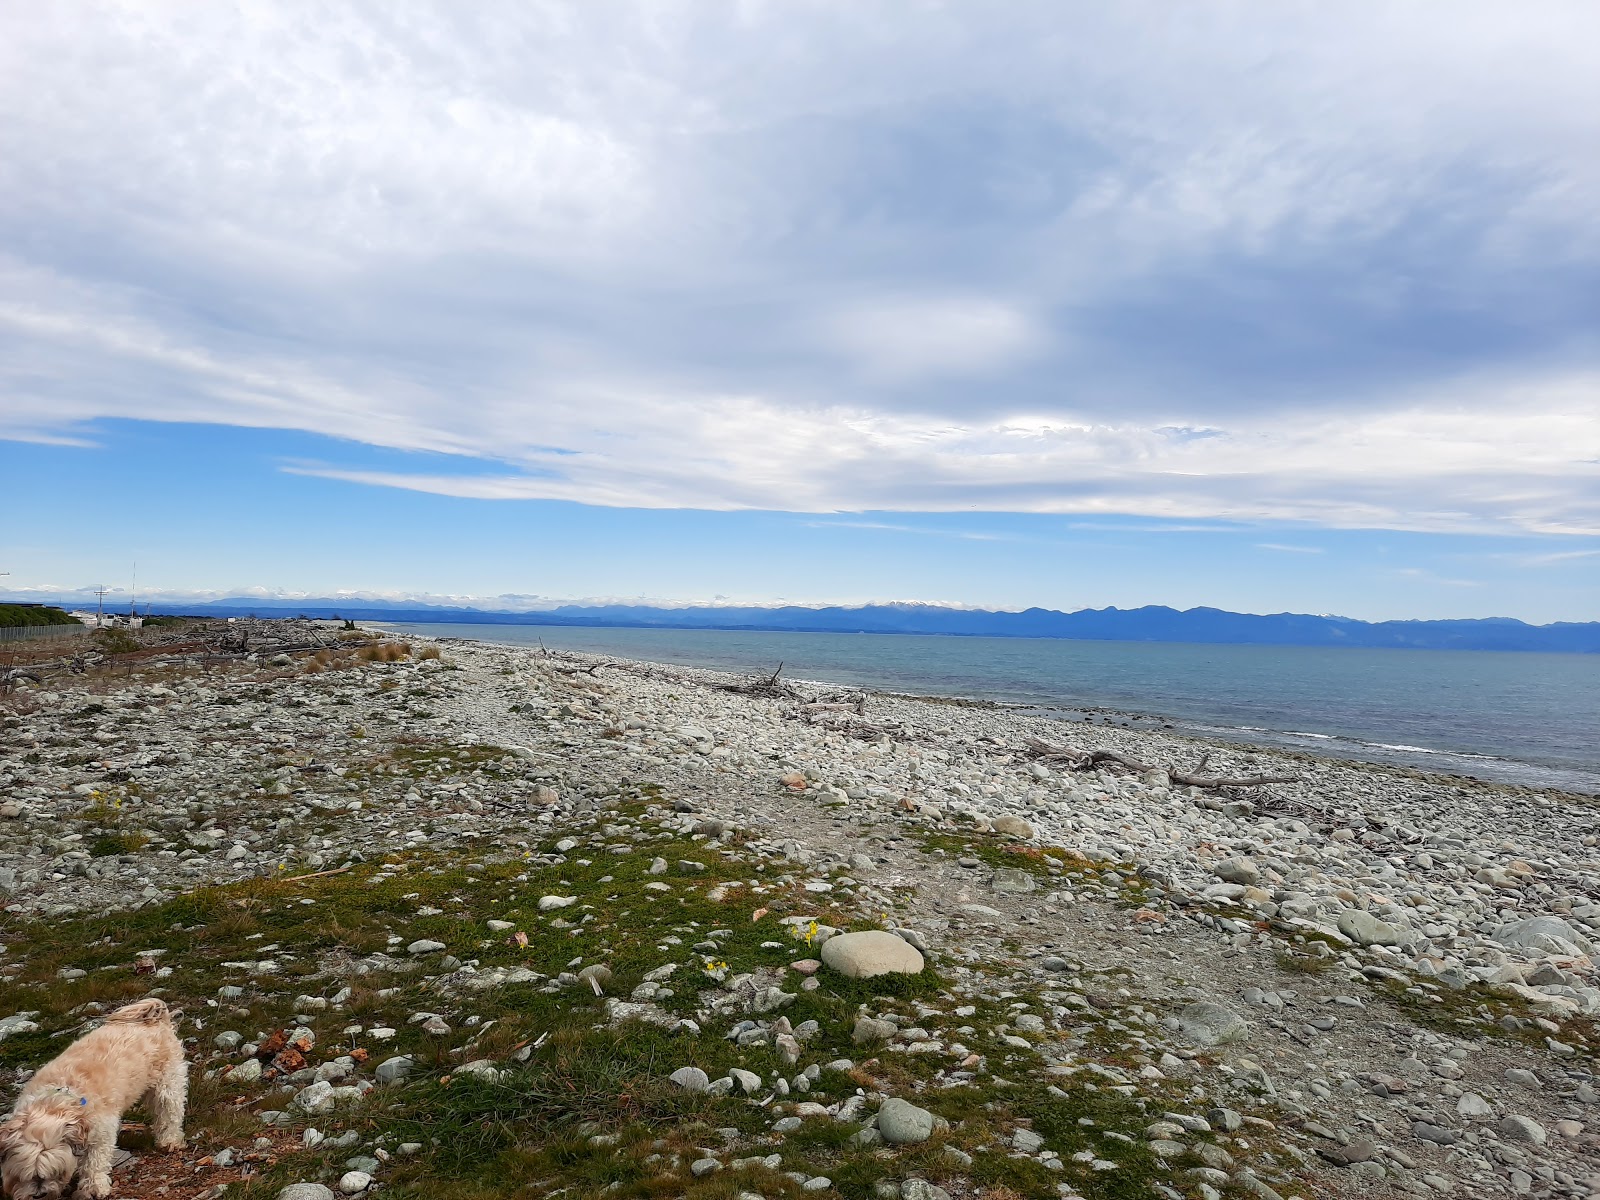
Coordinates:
<point>1280,262</point>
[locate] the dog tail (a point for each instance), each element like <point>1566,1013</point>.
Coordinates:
<point>143,1012</point>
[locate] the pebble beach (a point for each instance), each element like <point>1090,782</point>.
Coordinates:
<point>1367,981</point>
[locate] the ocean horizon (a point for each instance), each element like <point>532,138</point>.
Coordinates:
<point>1524,718</point>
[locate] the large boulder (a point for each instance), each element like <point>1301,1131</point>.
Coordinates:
<point>1014,880</point>
<point>902,1123</point>
<point>872,952</point>
<point>1210,1024</point>
<point>1238,870</point>
<point>1365,929</point>
<point>1011,826</point>
<point>1544,935</point>
<point>691,1079</point>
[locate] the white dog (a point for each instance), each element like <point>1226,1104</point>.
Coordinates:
<point>66,1121</point>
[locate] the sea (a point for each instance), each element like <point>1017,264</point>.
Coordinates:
<point>1530,719</point>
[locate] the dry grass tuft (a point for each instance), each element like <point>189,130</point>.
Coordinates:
<point>386,652</point>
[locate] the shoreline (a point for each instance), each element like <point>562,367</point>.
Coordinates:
<point>1506,771</point>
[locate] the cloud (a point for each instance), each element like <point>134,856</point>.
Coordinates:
<point>1286,549</point>
<point>904,340</point>
<point>1422,575</point>
<point>1557,559</point>
<point>1246,266</point>
<point>888,527</point>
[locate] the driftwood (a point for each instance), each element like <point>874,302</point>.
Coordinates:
<point>576,670</point>
<point>763,685</point>
<point>1085,760</point>
<point>849,717</point>
<point>10,676</point>
<point>318,874</point>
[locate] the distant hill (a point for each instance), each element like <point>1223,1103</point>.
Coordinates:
<point>1153,623</point>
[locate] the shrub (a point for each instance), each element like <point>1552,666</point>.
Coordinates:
<point>116,641</point>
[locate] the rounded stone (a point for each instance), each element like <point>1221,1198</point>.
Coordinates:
<point>1517,1128</point>
<point>902,1123</point>
<point>873,952</point>
<point>1012,827</point>
<point>1238,870</point>
<point>353,1183</point>
<point>1366,929</point>
<point>1013,879</point>
<point>691,1079</point>
<point>306,1191</point>
<point>392,1070</point>
<point>1209,1024</point>
<point>1473,1107</point>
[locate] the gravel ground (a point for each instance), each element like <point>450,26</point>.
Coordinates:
<point>1387,978</point>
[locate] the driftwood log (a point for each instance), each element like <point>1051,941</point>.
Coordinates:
<point>763,685</point>
<point>1088,759</point>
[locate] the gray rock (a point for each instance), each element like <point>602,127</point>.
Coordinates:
<point>1014,880</point>
<point>902,1123</point>
<point>870,1029</point>
<point>1473,1107</point>
<point>921,1189</point>
<point>701,1167</point>
<point>873,952</point>
<point>691,1079</point>
<point>1359,1150</point>
<point>393,1070</point>
<point>1238,870</point>
<point>1544,935</point>
<point>249,1071</point>
<point>1518,1128</point>
<point>423,946</point>
<point>1437,1134</point>
<point>749,1082</point>
<point>305,1191</point>
<point>22,1022</point>
<point>1012,827</point>
<point>1367,930</point>
<point>353,1183</point>
<point>1209,1024</point>
<point>318,1098</point>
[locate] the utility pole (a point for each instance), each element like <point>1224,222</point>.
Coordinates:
<point>100,607</point>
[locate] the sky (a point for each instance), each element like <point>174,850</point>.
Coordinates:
<point>1271,306</point>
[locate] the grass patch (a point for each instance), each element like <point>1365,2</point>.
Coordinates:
<point>114,842</point>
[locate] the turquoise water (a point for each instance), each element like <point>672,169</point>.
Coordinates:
<point>1523,718</point>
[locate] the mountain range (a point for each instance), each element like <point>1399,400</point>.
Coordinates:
<point>1153,623</point>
